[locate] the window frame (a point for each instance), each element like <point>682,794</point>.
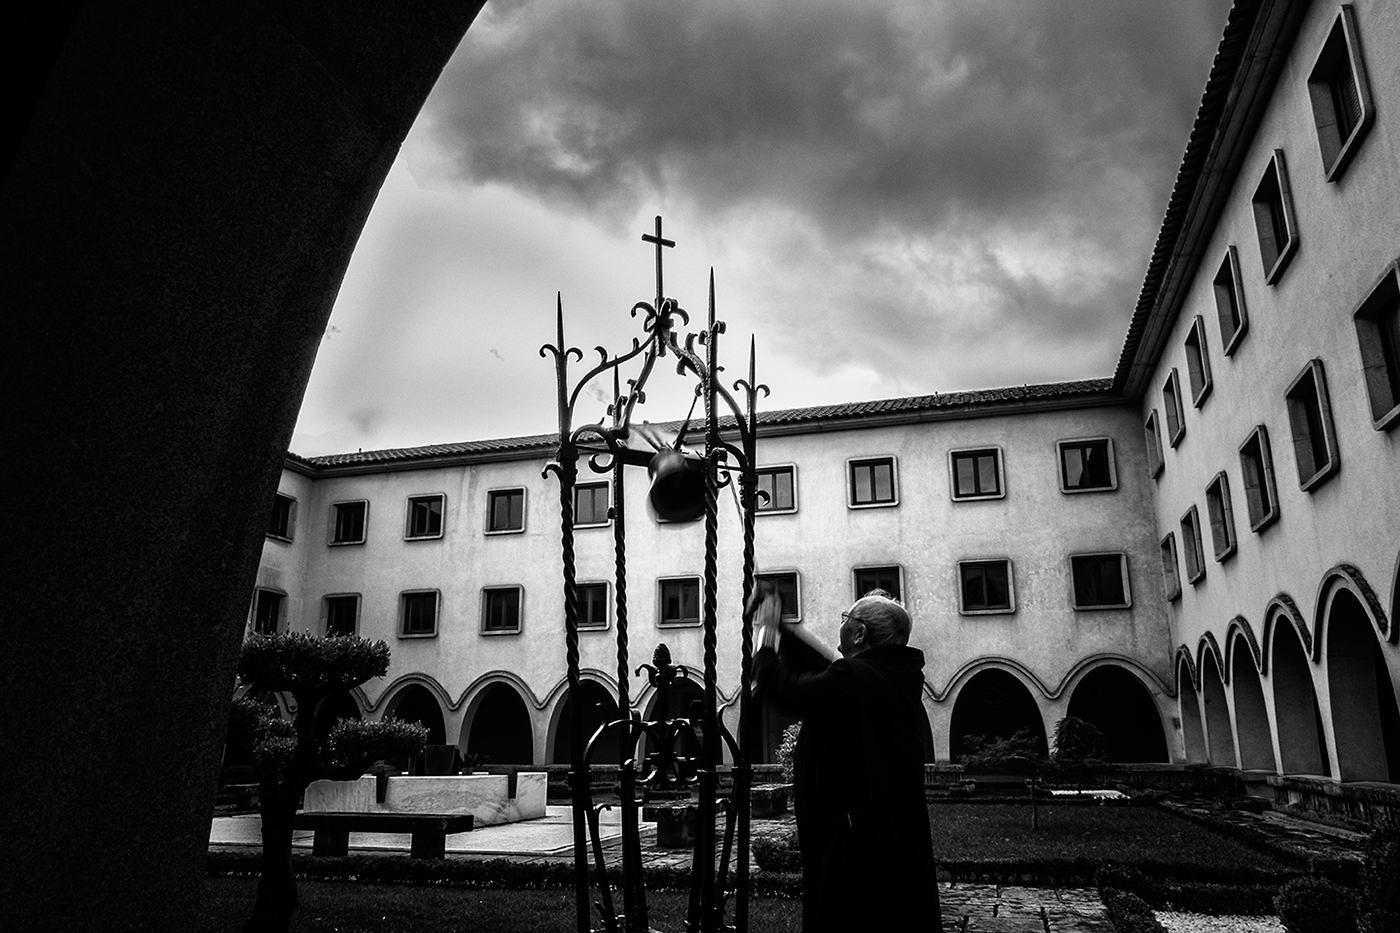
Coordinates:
<point>1220,512</point>
<point>1156,458</point>
<point>404,595</point>
<point>607,490</point>
<point>487,592</point>
<point>607,606</point>
<point>1192,550</point>
<point>291,521</point>
<point>1171,405</point>
<point>1340,48</point>
<point>1275,258</point>
<point>491,495</point>
<point>852,463</point>
<point>869,568</point>
<point>1228,287</point>
<point>1377,323</point>
<point>335,523</point>
<point>326,612</point>
<point>1259,518</point>
<point>279,624</point>
<point>791,469</point>
<point>1005,562</point>
<point>1198,374</point>
<point>1123,580</point>
<point>796,617</point>
<point>1301,425</point>
<point>441,498</point>
<point>661,601</point>
<point>1081,442</point>
<point>976,452</point>
<point>1171,568</point>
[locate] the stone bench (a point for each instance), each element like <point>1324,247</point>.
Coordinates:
<point>675,823</point>
<point>429,831</point>
<point>767,801</point>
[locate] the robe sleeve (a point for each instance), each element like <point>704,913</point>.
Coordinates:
<point>802,688</point>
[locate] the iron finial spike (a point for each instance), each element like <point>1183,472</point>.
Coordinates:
<point>660,242</point>
<point>712,297</point>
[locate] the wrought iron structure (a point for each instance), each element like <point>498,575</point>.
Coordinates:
<point>672,761</point>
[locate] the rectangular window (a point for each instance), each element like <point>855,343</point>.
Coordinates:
<point>779,485</point>
<point>1155,461</point>
<point>424,517</point>
<point>1310,415</point>
<point>786,586</point>
<point>282,523</point>
<point>1198,362</point>
<point>341,614</point>
<point>1169,572</point>
<point>591,504</point>
<point>1273,218</point>
<point>418,613</point>
<point>1341,95</point>
<point>976,473</point>
<point>1377,323</point>
<point>1087,465</point>
<point>348,522</point>
<point>500,610</point>
<point>872,482</point>
<point>984,586</point>
<point>593,606</point>
<point>1221,515</point>
<point>680,601</point>
<point>1229,302</point>
<point>1191,546</point>
<point>878,578</point>
<point>1257,466</point>
<point>1171,404</point>
<point>269,608</point>
<point>1100,581</point>
<point>505,511</point>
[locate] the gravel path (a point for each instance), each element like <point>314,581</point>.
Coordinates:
<point>1181,922</point>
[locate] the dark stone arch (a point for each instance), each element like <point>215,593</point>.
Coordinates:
<point>994,703</point>
<point>1301,739</point>
<point>331,710</point>
<point>1115,701</point>
<point>1256,741</point>
<point>1220,736</point>
<point>1365,720</point>
<point>498,727</point>
<point>597,707</point>
<point>416,703</point>
<point>680,704</point>
<point>1193,734</point>
<point>178,215</point>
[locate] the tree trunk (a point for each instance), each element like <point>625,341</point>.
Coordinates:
<point>277,888</point>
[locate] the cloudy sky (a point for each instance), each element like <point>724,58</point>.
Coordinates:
<point>897,197</point>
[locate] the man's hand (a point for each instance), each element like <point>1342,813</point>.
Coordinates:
<point>767,611</point>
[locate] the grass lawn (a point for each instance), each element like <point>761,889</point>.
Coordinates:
<point>349,907</point>
<point>1126,835</point>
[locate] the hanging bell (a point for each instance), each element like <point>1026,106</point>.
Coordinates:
<point>677,486</point>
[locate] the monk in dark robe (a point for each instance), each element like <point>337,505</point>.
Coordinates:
<point>862,820</point>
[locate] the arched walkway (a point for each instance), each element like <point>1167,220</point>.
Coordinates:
<point>1302,743</point>
<point>597,707</point>
<point>1365,724</point>
<point>1193,734</point>
<point>1220,739</point>
<point>497,728</point>
<point>682,701</point>
<point>334,708</point>
<point>1256,742</point>
<point>994,704</point>
<point>1115,701</point>
<point>416,703</point>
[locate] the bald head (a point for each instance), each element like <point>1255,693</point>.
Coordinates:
<point>885,618</point>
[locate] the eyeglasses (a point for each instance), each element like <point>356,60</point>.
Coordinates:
<point>851,616</point>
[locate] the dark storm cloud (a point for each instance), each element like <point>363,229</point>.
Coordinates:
<point>1022,151</point>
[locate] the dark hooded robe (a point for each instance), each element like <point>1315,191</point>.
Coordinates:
<point>862,819</point>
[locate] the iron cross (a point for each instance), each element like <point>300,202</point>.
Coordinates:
<point>660,242</point>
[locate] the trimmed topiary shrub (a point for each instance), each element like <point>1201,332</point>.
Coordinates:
<point>1378,907</point>
<point>1129,913</point>
<point>1315,905</point>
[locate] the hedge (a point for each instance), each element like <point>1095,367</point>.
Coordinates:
<point>1129,913</point>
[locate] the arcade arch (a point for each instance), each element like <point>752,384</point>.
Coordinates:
<point>497,727</point>
<point>1255,739</point>
<point>416,703</point>
<point>1220,739</point>
<point>331,710</point>
<point>596,707</point>
<point>1302,743</point>
<point>1189,703</point>
<point>994,703</point>
<point>1360,692</point>
<point>1117,703</point>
